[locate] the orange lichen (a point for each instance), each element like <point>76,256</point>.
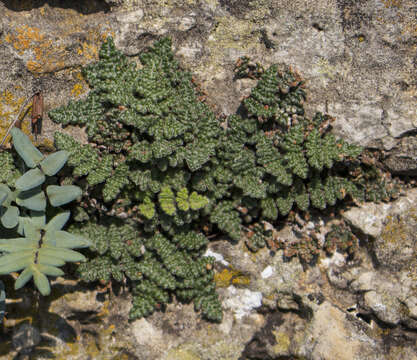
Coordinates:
<point>33,66</point>
<point>45,53</point>
<point>24,38</point>
<point>89,51</point>
<point>9,108</point>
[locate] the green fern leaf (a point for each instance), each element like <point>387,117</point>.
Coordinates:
<point>147,208</point>
<point>182,199</point>
<point>197,201</point>
<point>167,200</point>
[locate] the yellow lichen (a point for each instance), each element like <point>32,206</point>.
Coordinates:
<point>77,90</point>
<point>283,342</point>
<point>395,229</point>
<point>104,310</point>
<point>9,108</point>
<point>104,345</point>
<point>181,354</point>
<point>323,67</point>
<point>230,276</point>
<point>34,66</point>
<point>392,3</point>
<point>44,53</point>
<point>89,51</point>
<point>230,33</point>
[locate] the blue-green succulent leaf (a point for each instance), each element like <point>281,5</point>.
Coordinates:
<point>38,218</point>
<point>54,162</point>
<point>30,179</point>
<point>61,253</point>
<point>33,199</point>
<point>5,193</point>
<point>60,195</point>
<point>58,221</point>
<point>41,282</point>
<point>26,150</point>
<point>23,278</point>
<point>17,244</point>
<point>16,261</point>
<point>31,230</point>
<point>10,217</point>
<point>6,241</point>
<point>49,270</point>
<point>45,259</point>
<point>63,239</point>
<point>3,196</point>
<point>12,248</point>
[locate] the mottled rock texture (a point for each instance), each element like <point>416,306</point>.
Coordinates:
<point>358,58</point>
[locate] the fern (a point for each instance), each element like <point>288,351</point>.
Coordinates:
<point>158,157</point>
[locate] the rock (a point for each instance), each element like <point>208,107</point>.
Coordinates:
<point>329,334</point>
<point>242,301</point>
<point>411,304</point>
<point>367,218</point>
<point>357,59</point>
<point>396,247</point>
<point>25,337</point>
<point>403,159</point>
<point>385,306</point>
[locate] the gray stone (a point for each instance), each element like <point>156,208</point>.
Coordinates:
<point>403,159</point>
<point>396,245</point>
<point>290,336</point>
<point>25,336</point>
<point>368,218</point>
<point>384,305</point>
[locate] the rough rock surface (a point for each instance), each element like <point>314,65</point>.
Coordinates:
<point>388,290</point>
<point>359,62</point>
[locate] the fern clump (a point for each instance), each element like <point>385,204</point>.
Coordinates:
<point>273,159</point>
<point>148,135</point>
<point>158,159</point>
<point>42,247</point>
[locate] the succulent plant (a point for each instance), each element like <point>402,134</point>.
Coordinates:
<point>41,251</point>
<point>28,192</point>
<point>42,247</point>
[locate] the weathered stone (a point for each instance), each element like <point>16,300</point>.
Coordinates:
<point>358,60</point>
<point>385,306</point>
<point>289,336</point>
<point>368,218</point>
<point>396,245</point>
<point>25,336</point>
<point>403,159</point>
